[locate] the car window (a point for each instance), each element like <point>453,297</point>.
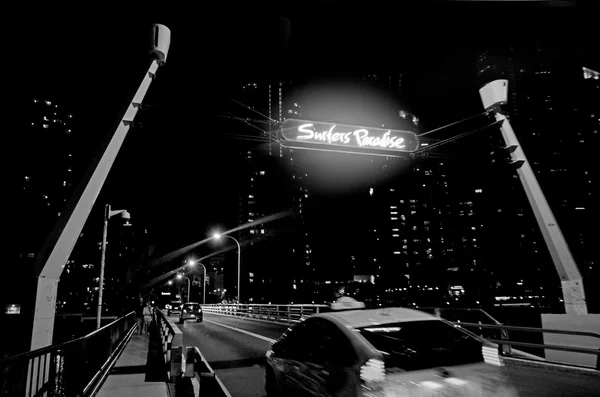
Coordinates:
<point>191,306</point>
<point>330,343</point>
<point>415,345</point>
<point>296,340</point>
<point>318,341</point>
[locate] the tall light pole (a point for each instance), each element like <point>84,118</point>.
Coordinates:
<point>493,95</point>
<point>218,236</point>
<point>55,252</point>
<point>107,215</point>
<point>179,276</point>
<point>191,263</point>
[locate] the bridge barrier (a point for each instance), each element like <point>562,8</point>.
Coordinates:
<point>172,345</point>
<point>287,314</point>
<point>204,381</point>
<point>512,343</point>
<point>76,368</point>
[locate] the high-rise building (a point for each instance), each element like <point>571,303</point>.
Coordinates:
<point>276,255</point>
<point>47,164</point>
<point>553,106</point>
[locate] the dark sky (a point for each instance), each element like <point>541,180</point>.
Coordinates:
<point>175,175</point>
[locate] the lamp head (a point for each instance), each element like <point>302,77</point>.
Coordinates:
<point>217,235</point>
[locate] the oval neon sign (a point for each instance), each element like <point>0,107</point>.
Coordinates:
<point>348,136</point>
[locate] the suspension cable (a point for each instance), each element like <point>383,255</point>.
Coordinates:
<point>456,122</point>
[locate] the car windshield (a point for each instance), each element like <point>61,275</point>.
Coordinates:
<point>416,345</point>
<point>191,306</point>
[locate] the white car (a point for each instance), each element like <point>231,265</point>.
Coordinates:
<point>386,352</point>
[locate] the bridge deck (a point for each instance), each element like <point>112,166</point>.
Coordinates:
<point>130,377</point>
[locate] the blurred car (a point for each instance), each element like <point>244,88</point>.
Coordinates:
<point>191,311</point>
<point>174,307</point>
<point>383,352</point>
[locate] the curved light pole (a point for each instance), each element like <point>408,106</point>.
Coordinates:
<point>179,276</point>
<point>107,215</point>
<point>192,263</point>
<point>218,236</point>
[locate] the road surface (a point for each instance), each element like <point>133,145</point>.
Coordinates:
<point>238,360</point>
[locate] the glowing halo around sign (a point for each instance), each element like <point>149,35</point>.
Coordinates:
<point>305,134</point>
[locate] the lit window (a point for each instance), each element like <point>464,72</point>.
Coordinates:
<point>45,125</point>
<point>590,74</point>
<point>262,172</point>
<point>396,252</point>
<point>26,178</point>
<point>48,103</point>
<point>394,230</point>
<point>394,218</point>
<point>394,212</point>
<point>250,196</point>
<point>262,231</point>
<point>393,207</point>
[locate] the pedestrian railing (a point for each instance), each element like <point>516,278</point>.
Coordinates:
<point>287,314</point>
<point>76,368</point>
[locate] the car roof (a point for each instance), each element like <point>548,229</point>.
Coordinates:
<point>369,317</point>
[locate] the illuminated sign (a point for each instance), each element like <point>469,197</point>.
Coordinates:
<point>165,293</point>
<point>355,139</point>
<point>12,309</point>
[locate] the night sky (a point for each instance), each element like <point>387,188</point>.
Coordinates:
<point>175,175</point>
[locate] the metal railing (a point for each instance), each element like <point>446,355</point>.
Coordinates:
<point>287,314</point>
<point>502,342</point>
<point>72,369</point>
<point>172,344</point>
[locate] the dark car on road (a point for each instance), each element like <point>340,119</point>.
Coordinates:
<point>173,307</point>
<point>191,311</point>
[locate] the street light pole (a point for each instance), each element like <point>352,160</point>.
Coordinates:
<point>189,284</point>
<point>217,236</point>
<point>107,215</point>
<point>193,262</point>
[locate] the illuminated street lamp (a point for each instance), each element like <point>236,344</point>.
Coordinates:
<point>179,276</point>
<point>107,215</point>
<point>192,263</point>
<point>218,236</point>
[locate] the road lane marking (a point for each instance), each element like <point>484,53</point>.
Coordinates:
<point>243,331</point>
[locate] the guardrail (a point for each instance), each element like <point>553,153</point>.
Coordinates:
<point>505,342</point>
<point>172,345</point>
<point>74,368</point>
<point>204,380</point>
<point>288,314</point>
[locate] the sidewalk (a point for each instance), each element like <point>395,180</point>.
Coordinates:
<point>135,374</point>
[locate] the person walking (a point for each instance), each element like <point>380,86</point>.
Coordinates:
<point>147,317</point>
<point>139,315</point>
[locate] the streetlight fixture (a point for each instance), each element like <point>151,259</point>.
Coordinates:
<point>217,236</point>
<point>107,215</point>
<point>192,263</point>
<point>179,276</point>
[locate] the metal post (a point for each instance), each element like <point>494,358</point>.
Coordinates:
<point>492,95</point>
<point>203,285</point>
<point>239,270</point>
<point>189,284</point>
<point>102,262</point>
